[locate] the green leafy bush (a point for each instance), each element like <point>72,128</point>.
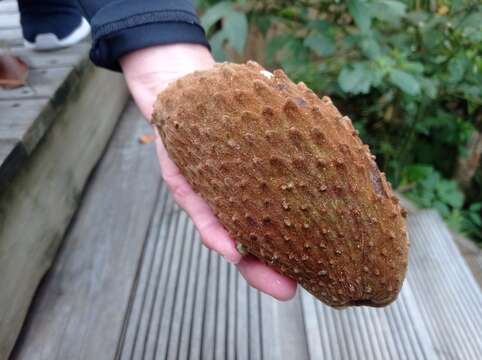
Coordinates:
<point>408,72</point>
<point>428,189</point>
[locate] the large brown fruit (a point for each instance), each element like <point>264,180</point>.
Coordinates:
<point>289,178</point>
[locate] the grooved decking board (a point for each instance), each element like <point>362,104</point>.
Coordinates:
<point>445,289</point>
<point>6,146</point>
<point>7,7</point>
<point>394,332</point>
<point>26,113</point>
<point>67,57</point>
<point>134,282</point>
<point>37,203</point>
<point>12,37</point>
<point>438,314</point>
<point>11,155</point>
<point>41,83</point>
<point>190,303</point>
<point>10,19</point>
<point>79,309</point>
<point>17,117</point>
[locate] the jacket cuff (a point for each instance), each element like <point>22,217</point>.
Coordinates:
<point>108,48</point>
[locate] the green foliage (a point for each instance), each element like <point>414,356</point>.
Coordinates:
<point>408,72</point>
<point>428,189</point>
<point>233,30</point>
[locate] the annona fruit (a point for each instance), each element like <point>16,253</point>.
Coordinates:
<point>289,178</point>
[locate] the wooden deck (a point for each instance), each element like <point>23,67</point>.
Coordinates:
<point>27,112</point>
<point>132,281</point>
<point>52,132</point>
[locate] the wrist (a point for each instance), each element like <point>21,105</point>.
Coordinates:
<point>174,58</point>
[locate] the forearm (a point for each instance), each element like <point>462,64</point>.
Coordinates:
<point>121,27</point>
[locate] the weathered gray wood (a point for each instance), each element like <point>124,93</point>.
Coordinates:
<point>41,83</point>
<point>196,339</point>
<point>6,146</point>
<point>469,250</point>
<point>289,328</point>
<point>255,326</point>
<point>242,322</point>
<point>171,292</point>
<point>438,313</point>
<point>190,314</point>
<point>27,119</point>
<point>79,309</point>
<point>189,303</point>
<point>7,7</point>
<point>472,254</point>
<point>9,20</point>
<point>132,341</point>
<point>231,324</point>
<point>67,57</point>
<point>37,204</point>
<point>445,289</point>
<point>164,296</point>
<point>395,332</point>
<point>12,37</point>
<point>12,154</point>
<point>22,125</point>
<point>9,15</point>
<point>17,117</point>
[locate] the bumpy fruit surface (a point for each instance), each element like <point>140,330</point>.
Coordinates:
<point>289,178</point>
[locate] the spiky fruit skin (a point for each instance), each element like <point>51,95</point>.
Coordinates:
<point>290,179</point>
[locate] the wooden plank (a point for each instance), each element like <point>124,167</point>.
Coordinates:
<point>12,154</point>
<point>162,280</point>
<point>472,254</point>
<point>36,206</point>
<point>7,7</point>
<point>17,117</point>
<point>255,326</point>
<point>438,313</point>
<point>191,316</point>
<point>29,111</point>
<point>232,310</point>
<point>22,125</point>
<point>196,333</point>
<point>67,57</point>
<point>242,320</point>
<point>12,37</point>
<point>131,344</point>
<point>9,20</point>
<point>97,265</point>
<point>6,147</point>
<point>189,303</point>
<point>396,332</point>
<point>42,83</point>
<point>450,299</point>
<point>222,315</point>
<point>169,295</point>
<point>290,330</point>
<point>190,306</point>
<point>186,302</point>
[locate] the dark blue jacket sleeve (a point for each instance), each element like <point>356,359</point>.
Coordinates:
<point>122,26</point>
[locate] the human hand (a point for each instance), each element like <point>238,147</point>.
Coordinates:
<point>147,72</point>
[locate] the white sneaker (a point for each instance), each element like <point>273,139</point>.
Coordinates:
<point>49,41</point>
